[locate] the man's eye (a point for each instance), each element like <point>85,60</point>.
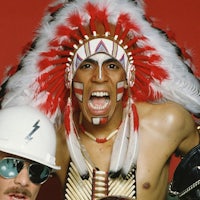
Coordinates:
<point>85,66</point>
<point>112,66</point>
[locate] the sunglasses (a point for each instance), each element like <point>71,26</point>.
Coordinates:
<point>11,167</point>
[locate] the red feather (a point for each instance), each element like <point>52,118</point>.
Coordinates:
<point>143,49</point>
<point>121,19</point>
<point>126,27</point>
<point>67,119</point>
<point>75,20</point>
<point>156,72</point>
<point>131,42</point>
<point>53,53</point>
<point>43,64</point>
<point>50,105</point>
<point>150,59</point>
<point>54,43</point>
<point>65,31</point>
<point>103,17</point>
<point>92,10</point>
<point>136,117</point>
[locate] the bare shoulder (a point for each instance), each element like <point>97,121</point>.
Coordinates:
<point>170,121</point>
<point>169,114</point>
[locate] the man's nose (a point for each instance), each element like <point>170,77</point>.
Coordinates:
<point>23,177</point>
<point>99,74</point>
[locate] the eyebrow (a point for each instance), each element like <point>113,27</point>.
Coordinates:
<point>106,61</point>
<point>111,60</point>
<point>90,61</point>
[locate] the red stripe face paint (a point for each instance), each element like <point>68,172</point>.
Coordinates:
<point>99,85</point>
<point>99,120</point>
<point>78,90</point>
<point>120,90</point>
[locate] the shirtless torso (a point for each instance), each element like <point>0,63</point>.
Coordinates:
<point>164,128</point>
<point>95,59</point>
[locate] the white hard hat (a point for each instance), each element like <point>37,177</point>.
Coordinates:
<point>28,133</point>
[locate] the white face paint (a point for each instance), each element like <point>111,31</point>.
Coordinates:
<point>78,90</point>
<point>100,58</point>
<point>99,87</point>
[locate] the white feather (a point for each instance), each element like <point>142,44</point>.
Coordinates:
<point>132,153</point>
<point>76,154</point>
<point>73,144</point>
<point>184,90</point>
<point>120,145</point>
<point>169,61</point>
<point>133,148</point>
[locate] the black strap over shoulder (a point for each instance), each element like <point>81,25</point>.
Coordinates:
<point>186,180</point>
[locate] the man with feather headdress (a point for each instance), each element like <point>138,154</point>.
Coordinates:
<point>123,95</point>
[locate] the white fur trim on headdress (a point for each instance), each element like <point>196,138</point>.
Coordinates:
<point>178,84</point>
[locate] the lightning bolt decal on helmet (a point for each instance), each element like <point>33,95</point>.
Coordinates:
<point>28,133</point>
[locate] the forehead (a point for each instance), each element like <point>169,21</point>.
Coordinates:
<point>4,154</point>
<point>100,45</point>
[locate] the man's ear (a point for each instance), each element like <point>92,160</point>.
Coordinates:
<point>126,85</point>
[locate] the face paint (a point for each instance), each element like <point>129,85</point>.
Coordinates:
<point>100,46</point>
<point>100,58</point>
<point>98,85</point>
<point>78,90</point>
<point>99,120</point>
<point>120,90</point>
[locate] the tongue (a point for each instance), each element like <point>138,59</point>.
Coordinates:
<point>98,101</point>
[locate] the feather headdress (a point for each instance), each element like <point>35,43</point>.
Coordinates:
<point>72,31</point>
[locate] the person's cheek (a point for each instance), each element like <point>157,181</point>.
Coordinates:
<point>78,90</point>
<point>120,90</point>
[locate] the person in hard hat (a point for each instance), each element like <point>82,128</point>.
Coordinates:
<point>121,92</point>
<point>27,152</point>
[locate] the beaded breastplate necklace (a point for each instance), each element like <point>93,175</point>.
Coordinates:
<point>98,185</point>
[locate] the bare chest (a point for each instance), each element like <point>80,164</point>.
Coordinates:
<point>99,154</point>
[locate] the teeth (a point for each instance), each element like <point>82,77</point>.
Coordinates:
<point>100,94</point>
<point>99,107</point>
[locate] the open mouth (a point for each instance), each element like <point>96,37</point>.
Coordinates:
<point>99,102</point>
<point>17,197</point>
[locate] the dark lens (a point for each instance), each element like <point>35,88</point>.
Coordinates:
<point>18,165</point>
<point>38,173</point>
<point>10,167</point>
